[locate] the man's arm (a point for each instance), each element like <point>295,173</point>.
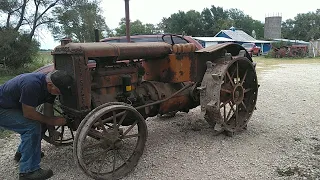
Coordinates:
<point>31,113</point>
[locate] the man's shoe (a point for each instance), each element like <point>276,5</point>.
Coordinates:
<point>17,156</point>
<point>39,174</point>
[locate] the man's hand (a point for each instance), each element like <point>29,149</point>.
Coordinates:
<point>31,113</point>
<point>58,121</point>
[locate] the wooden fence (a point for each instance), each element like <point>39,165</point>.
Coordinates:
<point>314,48</point>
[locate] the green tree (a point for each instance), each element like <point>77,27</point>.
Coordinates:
<point>78,21</point>
<point>305,26</point>
<point>221,18</point>
<point>245,22</point>
<point>136,27</point>
<point>188,23</point>
<point>287,29</point>
<point>38,14</point>
<point>17,49</point>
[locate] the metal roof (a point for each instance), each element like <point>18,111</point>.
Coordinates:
<point>291,41</point>
<point>261,41</point>
<point>213,39</point>
<point>238,35</point>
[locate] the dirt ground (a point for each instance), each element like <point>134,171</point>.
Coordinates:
<point>282,140</point>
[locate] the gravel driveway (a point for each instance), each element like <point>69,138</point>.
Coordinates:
<point>282,140</point>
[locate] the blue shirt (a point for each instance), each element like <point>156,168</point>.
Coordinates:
<point>29,89</point>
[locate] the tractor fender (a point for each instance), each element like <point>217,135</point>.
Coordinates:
<point>233,48</point>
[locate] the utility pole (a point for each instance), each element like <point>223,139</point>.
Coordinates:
<point>127,20</point>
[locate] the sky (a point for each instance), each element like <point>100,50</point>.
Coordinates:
<point>152,11</point>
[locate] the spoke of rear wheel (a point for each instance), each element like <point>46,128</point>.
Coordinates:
<point>237,73</point>
<point>230,79</point>
<point>224,103</point>
<point>227,117</point>
<point>224,112</point>
<point>247,90</point>
<point>244,105</point>
<point>231,106</point>
<point>244,77</point>
<point>237,116</point>
<point>226,90</point>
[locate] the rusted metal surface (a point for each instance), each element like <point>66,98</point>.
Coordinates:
<point>159,93</point>
<point>231,48</point>
<point>215,52</point>
<point>119,51</point>
<point>76,66</point>
<point>175,68</point>
<point>127,19</point>
<point>228,93</point>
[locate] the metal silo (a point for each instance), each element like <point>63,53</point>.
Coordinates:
<point>272,27</point>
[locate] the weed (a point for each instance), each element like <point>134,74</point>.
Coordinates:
<point>289,171</point>
<point>4,133</point>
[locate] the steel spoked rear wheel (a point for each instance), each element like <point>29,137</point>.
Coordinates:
<point>238,94</point>
<point>105,148</point>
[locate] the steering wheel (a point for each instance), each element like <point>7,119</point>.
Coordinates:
<point>171,38</point>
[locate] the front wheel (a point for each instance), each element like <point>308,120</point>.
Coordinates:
<point>107,148</point>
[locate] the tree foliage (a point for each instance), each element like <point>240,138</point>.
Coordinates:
<point>136,27</point>
<point>246,23</point>
<point>17,49</point>
<point>303,27</point>
<point>28,15</point>
<point>23,18</point>
<point>78,21</point>
<point>209,22</point>
<point>183,23</point>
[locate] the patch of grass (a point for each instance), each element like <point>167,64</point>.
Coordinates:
<point>289,171</point>
<point>297,139</point>
<point>272,63</point>
<point>4,133</point>
<point>43,58</point>
<point>3,79</point>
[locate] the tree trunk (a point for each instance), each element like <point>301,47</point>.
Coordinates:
<point>8,20</point>
<point>23,9</point>
<point>36,22</point>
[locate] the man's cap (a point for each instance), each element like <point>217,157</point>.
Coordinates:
<point>62,80</point>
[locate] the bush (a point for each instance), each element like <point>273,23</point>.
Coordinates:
<point>16,49</point>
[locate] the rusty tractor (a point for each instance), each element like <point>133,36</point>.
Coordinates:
<point>117,86</point>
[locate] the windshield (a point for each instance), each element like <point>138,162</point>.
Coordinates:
<point>247,45</point>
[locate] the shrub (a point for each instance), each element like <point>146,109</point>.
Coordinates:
<point>16,49</point>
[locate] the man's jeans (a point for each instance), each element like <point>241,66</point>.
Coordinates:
<point>30,131</point>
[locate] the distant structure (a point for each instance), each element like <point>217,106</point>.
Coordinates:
<point>272,27</point>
